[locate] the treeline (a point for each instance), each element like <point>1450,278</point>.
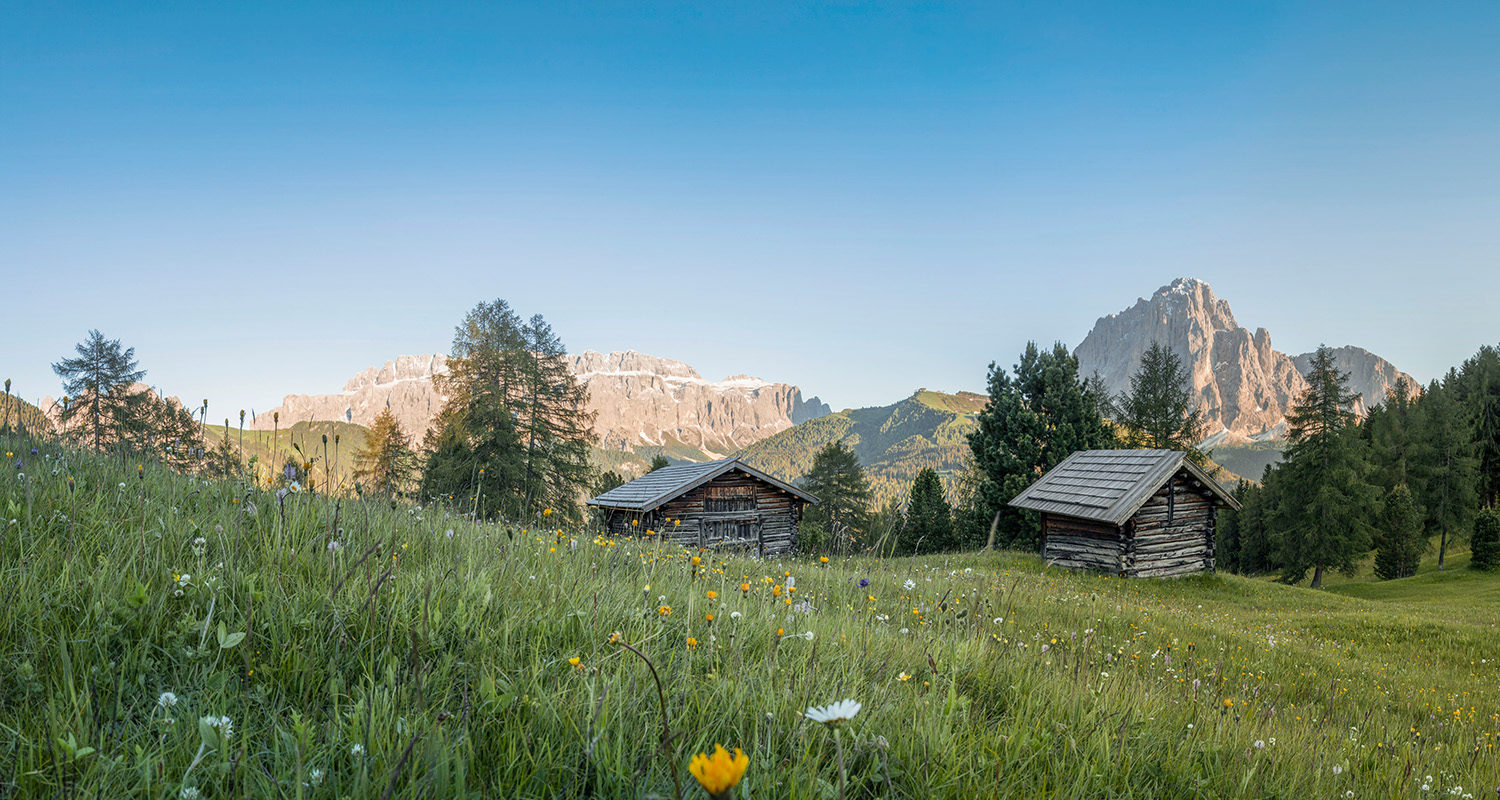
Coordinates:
<point>1419,473</point>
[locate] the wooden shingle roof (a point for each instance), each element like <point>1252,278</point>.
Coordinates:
<point>654,488</point>
<point>1110,485</point>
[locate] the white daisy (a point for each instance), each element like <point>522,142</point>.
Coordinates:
<point>833,714</point>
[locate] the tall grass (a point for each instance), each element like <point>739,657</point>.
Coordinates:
<point>364,650</point>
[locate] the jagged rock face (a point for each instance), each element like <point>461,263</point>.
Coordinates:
<point>1243,385</point>
<point>1370,375</point>
<point>638,400</point>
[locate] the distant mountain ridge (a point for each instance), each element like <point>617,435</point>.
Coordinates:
<point>893,443</point>
<point>640,401</point>
<point>1243,385</point>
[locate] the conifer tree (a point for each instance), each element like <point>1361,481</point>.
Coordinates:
<point>838,481</point>
<point>929,519</point>
<point>106,407</point>
<point>1036,416</point>
<point>657,462</point>
<point>1395,435</point>
<point>1477,388</point>
<point>1399,542</point>
<point>1485,541</point>
<point>1445,467</point>
<point>1158,412</point>
<point>1323,518</point>
<point>386,462</point>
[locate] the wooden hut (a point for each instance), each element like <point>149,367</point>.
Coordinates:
<point>725,505</point>
<point>1134,513</point>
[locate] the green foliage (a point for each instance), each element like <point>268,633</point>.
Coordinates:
<point>1476,386</point>
<point>1399,542</point>
<point>1035,418</point>
<point>104,404</point>
<point>1484,545</point>
<point>1158,412</point>
<point>514,437</point>
<point>1323,517</point>
<point>838,481</point>
<point>386,463</point>
<point>929,520</point>
<point>20,417</point>
<point>657,462</point>
<point>440,667</point>
<point>1445,467</point>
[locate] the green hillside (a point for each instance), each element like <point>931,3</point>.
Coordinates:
<point>17,413</point>
<point>894,442</point>
<point>1250,459</point>
<point>273,448</point>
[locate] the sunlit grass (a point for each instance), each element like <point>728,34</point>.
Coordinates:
<point>409,653</point>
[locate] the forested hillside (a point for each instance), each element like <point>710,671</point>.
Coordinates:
<point>17,413</point>
<point>893,442</point>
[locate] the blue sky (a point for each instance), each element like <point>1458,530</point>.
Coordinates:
<point>858,198</point>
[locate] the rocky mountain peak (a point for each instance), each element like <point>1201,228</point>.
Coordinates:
<point>1244,386</point>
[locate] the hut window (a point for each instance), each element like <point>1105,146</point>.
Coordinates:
<point>727,530</point>
<point>729,498</point>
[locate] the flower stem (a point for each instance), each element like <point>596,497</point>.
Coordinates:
<point>666,732</point>
<point>838,744</point>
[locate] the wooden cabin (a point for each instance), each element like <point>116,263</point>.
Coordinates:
<point>724,505</point>
<point>1133,513</point>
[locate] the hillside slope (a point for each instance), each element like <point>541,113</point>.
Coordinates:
<point>928,429</point>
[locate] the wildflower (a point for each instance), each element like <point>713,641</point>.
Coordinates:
<point>546,512</point>
<point>189,793</point>
<point>664,610</point>
<point>357,750</point>
<point>744,587</point>
<point>1260,745</point>
<point>576,661</point>
<point>808,636</point>
<point>333,547</point>
<point>1338,770</point>
<point>734,615</point>
<point>903,677</point>
<point>316,776</point>
<point>697,561</point>
<point>709,617</point>
<point>166,699</point>
<point>863,582</point>
<point>833,714</point>
<point>719,773</point>
<point>823,559</point>
<point>1228,703</point>
<point>692,642</point>
<point>616,638</point>
<point>712,595</point>
<point>910,584</point>
<point>780,632</point>
<point>450,533</point>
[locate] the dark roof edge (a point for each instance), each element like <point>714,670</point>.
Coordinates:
<point>680,489</point>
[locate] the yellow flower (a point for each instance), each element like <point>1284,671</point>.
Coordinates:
<point>823,559</point>
<point>1228,703</point>
<point>635,522</point>
<point>697,561</point>
<point>664,610</point>
<point>744,587</point>
<point>709,617</point>
<point>780,632</point>
<point>720,772</point>
<point>712,595</point>
<point>676,522</point>
<point>692,642</point>
<point>546,512</point>
<point>903,677</point>
<point>576,661</point>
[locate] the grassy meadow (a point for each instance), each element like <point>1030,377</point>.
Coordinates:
<point>162,636</point>
<point>270,449</point>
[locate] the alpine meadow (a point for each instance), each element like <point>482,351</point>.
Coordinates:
<point>750,401</point>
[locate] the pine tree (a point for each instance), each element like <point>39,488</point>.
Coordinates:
<point>1393,429</point>
<point>1446,469</point>
<point>105,406</point>
<point>838,481</point>
<point>1485,542</point>
<point>1034,419</point>
<point>1399,543</point>
<point>1323,519</point>
<point>1477,388</point>
<point>386,462</point>
<point>555,425</point>
<point>657,462</point>
<point>929,519</point>
<point>1158,412</point>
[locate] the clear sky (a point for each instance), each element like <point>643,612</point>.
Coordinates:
<point>859,198</point>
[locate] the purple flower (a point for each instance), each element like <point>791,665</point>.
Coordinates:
<point>863,582</point>
<point>19,464</point>
<point>281,495</point>
<point>33,451</point>
<point>291,472</point>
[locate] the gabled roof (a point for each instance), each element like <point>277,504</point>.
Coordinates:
<point>1110,485</point>
<point>654,488</point>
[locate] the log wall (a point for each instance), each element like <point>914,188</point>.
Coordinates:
<point>1173,533</point>
<point>1081,544</point>
<point>766,527</point>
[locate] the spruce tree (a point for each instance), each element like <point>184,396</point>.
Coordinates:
<point>1323,517</point>
<point>1037,415</point>
<point>1446,469</point>
<point>1158,412</point>
<point>929,519</point>
<point>1399,542</point>
<point>1477,388</point>
<point>1485,542</point>
<point>386,462</point>
<point>838,481</point>
<point>657,462</point>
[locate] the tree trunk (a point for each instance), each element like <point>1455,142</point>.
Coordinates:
<point>1442,548</point>
<point>1317,582</point>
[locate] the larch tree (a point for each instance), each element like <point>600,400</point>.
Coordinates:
<point>1324,514</point>
<point>1158,412</point>
<point>387,461</point>
<point>105,406</point>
